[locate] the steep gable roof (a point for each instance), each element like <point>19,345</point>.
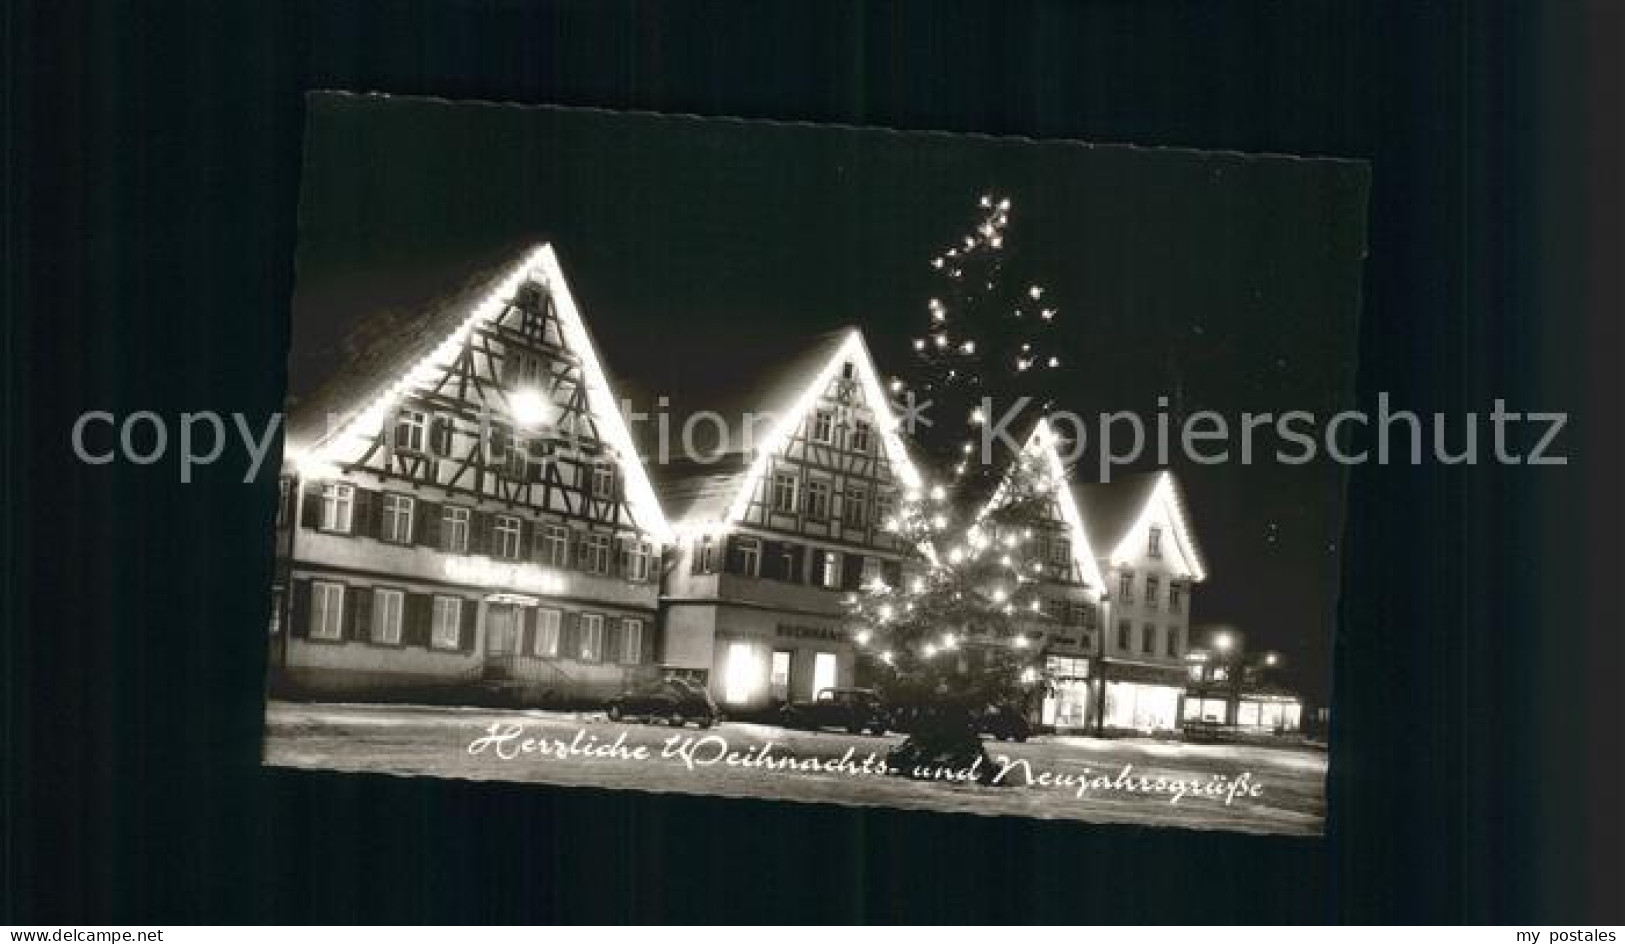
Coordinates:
<point>1043,444</point>
<point>406,360</point>
<point>710,479</point>
<point>1114,512</point>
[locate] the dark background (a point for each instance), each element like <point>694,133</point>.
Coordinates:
<point>1214,281</point>
<point>152,161</point>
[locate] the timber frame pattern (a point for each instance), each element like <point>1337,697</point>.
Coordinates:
<point>836,447</point>
<point>457,432</point>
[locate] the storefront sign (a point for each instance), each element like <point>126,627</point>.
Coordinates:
<point>793,631</point>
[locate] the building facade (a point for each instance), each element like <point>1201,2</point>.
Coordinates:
<point>773,539</point>
<point>1151,567</point>
<point>473,517</point>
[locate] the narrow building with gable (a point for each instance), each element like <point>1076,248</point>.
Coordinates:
<point>779,519</point>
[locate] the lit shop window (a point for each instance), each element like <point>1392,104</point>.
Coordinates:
<point>448,621</point>
<point>739,678</point>
<point>397,523</point>
<point>823,671</point>
<point>386,616</point>
<point>327,610</point>
<point>454,530</point>
<point>506,533</point>
<point>338,506</point>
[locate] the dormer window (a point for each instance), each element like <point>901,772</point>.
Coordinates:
<point>411,428</point>
<point>603,480</point>
<point>859,438</point>
<point>1154,542</point>
<point>823,427</point>
<point>849,371</point>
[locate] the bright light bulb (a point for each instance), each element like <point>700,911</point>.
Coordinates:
<point>919,344</point>
<point>937,493</point>
<point>1021,642</point>
<point>529,408</point>
<point>862,637</point>
<point>969,347</point>
<point>1036,291</point>
<point>896,386</point>
<point>930,650</point>
<point>1055,362</point>
<point>942,340</point>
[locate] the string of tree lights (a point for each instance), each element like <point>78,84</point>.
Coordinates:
<point>949,638</point>
<point>990,335</point>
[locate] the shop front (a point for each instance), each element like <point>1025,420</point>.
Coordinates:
<point>1067,704</point>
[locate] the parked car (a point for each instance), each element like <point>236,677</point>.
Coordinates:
<point>855,709</point>
<point>1005,723</point>
<point>674,701</point>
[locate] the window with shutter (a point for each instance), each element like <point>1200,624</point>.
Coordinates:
<point>326,610</point>
<point>631,641</point>
<point>447,623</point>
<point>454,526</point>
<point>337,512</point>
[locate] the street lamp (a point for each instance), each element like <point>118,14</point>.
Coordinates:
<point>1222,642</point>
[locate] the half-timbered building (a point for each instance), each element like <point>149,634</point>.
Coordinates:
<point>464,511</point>
<point>780,521</point>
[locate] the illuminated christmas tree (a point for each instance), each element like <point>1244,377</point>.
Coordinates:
<point>947,646</point>
<point>989,342</point>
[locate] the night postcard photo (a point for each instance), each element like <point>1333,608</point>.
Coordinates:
<point>480,465</point>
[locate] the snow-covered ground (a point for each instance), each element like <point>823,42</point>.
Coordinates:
<point>1285,787</point>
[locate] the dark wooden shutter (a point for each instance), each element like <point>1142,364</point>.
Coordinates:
<point>465,632</point>
<point>851,571</point>
<point>527,630</point>
<point>419,609</point>
<point>358,613</point>
<point>569,633</point>
<point>479,532</point>
<point>299,619</point>
<point>734,559</point>
<point>510,367</point>
<point>892,573</point>
<point>612,639</point>
<point>798,563</point>
<point>311,516</point>
<point>426,522</point>
<point>366,517</point>
<point>582,550</point>
<point>440,436</point>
